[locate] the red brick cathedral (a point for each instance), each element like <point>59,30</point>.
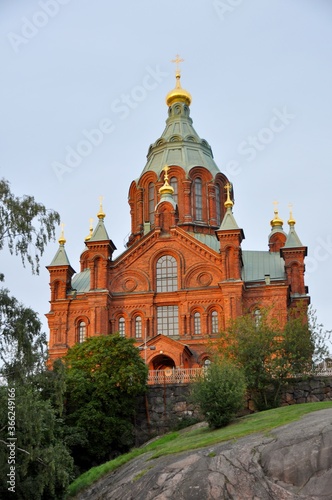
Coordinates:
<point>183,275</point>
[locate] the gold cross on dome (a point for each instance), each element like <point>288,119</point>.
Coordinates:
<point>228,188</point>
<point>276,203</point>
<point>166,169</point>
<point>177,61</point>
<point>290,206</point>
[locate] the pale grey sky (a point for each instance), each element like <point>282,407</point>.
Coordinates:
<point>260,76</point>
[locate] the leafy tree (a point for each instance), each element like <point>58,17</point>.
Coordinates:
<point>43,465</point>
<point>104,376</point>
<point>25,225</point>
<point>220,393</point>
<point>269,354</point>
<point>22,345</point>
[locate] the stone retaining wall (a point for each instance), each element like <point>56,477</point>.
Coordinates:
<point>168,407</point>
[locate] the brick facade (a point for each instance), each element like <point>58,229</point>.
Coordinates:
<point>183,275</point>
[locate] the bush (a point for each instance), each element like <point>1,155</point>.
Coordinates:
<point>220,393</point>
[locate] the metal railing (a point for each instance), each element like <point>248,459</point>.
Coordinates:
<point>187,375</point>
<point>174,375</point>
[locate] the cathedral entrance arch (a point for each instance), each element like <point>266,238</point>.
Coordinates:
<point>162,362</point>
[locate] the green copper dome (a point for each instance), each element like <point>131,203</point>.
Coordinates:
<point>180,144</point>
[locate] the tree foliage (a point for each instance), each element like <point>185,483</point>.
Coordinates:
<point>270,354</point>
<point>22,344</point>
<point>104,376</point>
<point>25,225</point>
<point>220,393</point>
<point>43,465</point>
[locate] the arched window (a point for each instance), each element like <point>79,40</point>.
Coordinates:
<point>167,274</point>
<point>174,183</point>
<point>122,327</point>
<point>197,323</point>
<point>214,322</point>
<point>81,331</point>
<point>138,327</point>
<point>152,202</point>
<point>218,207</point>
<point>198,202</point>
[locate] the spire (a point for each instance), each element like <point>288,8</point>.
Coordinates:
<point>228,221</point>
<point>100,233</point>
<point>178,94</point>
<point>292,241</point>
<point>61,258</point>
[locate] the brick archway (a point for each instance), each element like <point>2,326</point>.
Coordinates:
<point>162,362</point>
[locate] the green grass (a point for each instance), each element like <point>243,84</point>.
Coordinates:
<point>176,442</point>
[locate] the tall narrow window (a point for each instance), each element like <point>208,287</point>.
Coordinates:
<point>81,331</point>
<point>214,322</point>
<point>122,327</point>
<point>138,327</point>
<point>197,323</point>
<point>168,320</point>
<point>198,205</point>
<point>152,202</point>
<point>167,274</point>
<point>218,208</point>
<point>174,183</point>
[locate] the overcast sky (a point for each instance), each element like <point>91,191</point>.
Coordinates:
<point>83,87</point>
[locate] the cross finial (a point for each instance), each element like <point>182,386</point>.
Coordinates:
<point>290,206</point>
<point>166,169</point>
<point>276,203</point>
<point>101,214</point>
<point>228,203</point>
<point>177,61</point>
<point>62,239</point>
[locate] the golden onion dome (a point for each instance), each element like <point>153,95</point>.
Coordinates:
<point>291,221</point>
<point>178,94</point>
<point>276,221</point>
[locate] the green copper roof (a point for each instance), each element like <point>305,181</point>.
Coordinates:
<point>180,144</point>
<point>61,257</point>
<point>256,264</point>
<point>293,241</point>
<point>100,233</point>
<point>81,281</point>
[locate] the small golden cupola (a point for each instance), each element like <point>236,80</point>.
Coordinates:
<point>277,236</point>
<point>276,222</point>
<point>166,189</point>
<point>178,94</point>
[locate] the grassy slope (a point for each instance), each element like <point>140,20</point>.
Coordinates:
<point>176,442</point>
